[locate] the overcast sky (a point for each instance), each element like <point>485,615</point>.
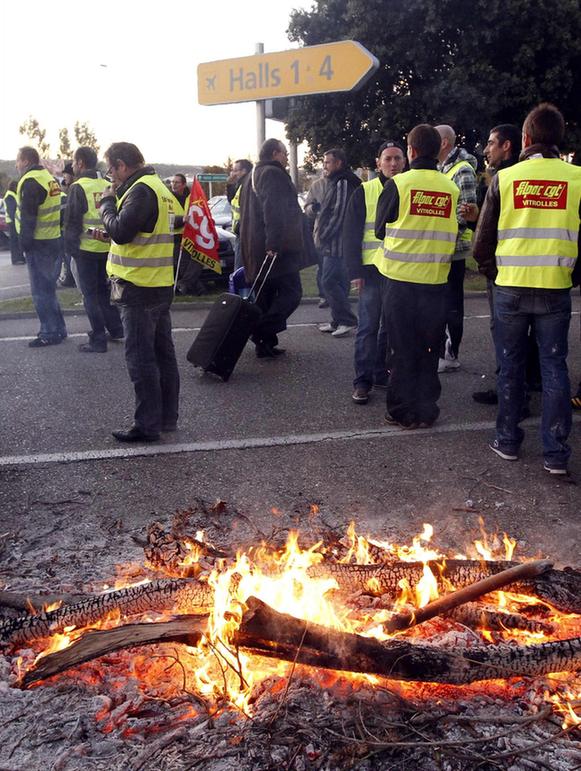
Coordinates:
<point>134,78</point>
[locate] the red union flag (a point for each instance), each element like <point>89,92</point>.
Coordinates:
<point>539,194</point>
<point>200,239</point>
<point>430,203</point>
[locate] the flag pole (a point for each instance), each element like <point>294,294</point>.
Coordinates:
<point>175,283</point>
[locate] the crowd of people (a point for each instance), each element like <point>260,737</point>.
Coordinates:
<point>400,238</point>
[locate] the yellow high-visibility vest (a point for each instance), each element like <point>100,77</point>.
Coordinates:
<point>235,206</point>
<point>148,259</point>
<point>9,194</point>
<point>418,246</point>
<point>466,234</point>
<point>538,225</point>
<point>48,218</point>
<point>93,190</point>
<point>372,247</point>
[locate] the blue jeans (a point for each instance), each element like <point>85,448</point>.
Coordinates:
<point>336,288</point>
<point>44,265</point>
<point>152,365</point>
<point>371,339</point>
<point>549,312</point>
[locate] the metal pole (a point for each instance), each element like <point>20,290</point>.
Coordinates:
<point>293,163</point>
<point>210,188</point>
<point>260,119</point>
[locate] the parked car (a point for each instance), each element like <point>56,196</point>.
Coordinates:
<point>4,232</point>
<point>221,211</point>
<point>187,285</point>
<point>226,241</point>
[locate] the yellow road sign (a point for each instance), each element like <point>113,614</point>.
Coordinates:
<point>342,66</point>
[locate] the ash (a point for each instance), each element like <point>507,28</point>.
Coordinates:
<point>103,716</point>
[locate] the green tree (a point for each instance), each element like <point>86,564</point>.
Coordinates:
<point>65,149</point>
<point>85,136</point>
<point>31,129</point>
<point>472,65</point>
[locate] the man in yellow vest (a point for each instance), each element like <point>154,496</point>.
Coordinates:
<point>89,252</point>
<point>363,252</point>
<point>240,169</point>
<point>527,241</point>
<point>39,229</point>
<point>138,214</point>
<point>416,220</point>
<point>459,166</point>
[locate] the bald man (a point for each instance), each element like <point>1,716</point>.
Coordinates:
<point>459,166</point>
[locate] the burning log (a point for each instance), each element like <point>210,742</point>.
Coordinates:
<point>475,616</point>
<point>264,631</point>
<point>97,642</point>
<point>179,594</point>
<point>561,588</point>
<point>453,600</point>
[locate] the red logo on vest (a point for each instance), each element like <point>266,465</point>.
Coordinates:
<point>539,194</point>
<point>430,203</point>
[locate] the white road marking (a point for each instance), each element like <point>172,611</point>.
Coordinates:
<point>257,442</point>
<point>16,286</point>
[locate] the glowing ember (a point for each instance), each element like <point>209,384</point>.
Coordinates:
<point>280,578</point>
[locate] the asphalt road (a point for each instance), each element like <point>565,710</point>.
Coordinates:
<point>13,278</point>
<point>280,434</point>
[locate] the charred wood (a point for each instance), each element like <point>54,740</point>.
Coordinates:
<point>561,588</point>
<point>178,595</point>
<point>469,593</point>
<point>266,632</point>
<point>97,642</point>
<point>476,616</point>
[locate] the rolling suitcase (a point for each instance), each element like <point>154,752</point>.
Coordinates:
<point>226,330</point>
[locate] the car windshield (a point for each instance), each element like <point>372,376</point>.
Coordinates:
<point>220,207</point>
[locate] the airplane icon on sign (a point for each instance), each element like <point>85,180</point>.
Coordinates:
<point>211,83</point>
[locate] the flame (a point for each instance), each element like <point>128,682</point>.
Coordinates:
<point>218,672</point>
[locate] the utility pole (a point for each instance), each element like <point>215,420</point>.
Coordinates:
<point>260,117</point>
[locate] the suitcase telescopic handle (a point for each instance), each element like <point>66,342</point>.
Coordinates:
<point>270,259</point>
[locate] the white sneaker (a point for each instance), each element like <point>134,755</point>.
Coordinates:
<point>342,330</point>
<point>326,328</point>
<point>447,365</point>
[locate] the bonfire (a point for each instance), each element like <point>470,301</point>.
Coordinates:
<point>420,641</point>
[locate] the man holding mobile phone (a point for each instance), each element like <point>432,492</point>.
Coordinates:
<point>88,244</point>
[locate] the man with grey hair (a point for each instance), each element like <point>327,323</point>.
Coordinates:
<point>459,166</point>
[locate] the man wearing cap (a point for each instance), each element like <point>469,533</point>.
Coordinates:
<point>39,227</point>
<point>363,253</point>
<point>89,251</point>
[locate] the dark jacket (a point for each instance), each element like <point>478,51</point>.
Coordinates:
<point>329,225</point>
<point>270,220</point>
<point>75,210</point>
<point>32,194</point>
<point>138,213</point>
<point>388,204</point>
<point>486,237</point>
<point>353,236</point>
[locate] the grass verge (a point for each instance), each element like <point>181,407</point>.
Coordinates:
<point>70,299</point>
